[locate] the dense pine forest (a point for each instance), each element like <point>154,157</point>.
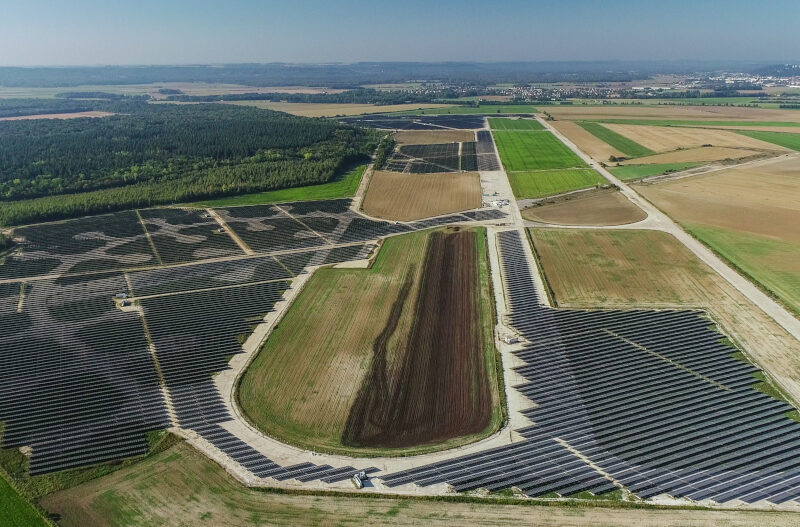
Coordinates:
<point>150,154</point>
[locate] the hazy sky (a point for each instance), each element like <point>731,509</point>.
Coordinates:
<point>63,32</point>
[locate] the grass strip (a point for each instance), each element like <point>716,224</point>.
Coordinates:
<point>623,144</point>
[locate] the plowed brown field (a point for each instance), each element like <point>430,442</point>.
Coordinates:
<point>406,197</point>
<point>437,387</point>
<point>689,113</point>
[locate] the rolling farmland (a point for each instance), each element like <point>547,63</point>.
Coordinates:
<point>749,215</point>
<point>404,197</point>
<point>329,364</point>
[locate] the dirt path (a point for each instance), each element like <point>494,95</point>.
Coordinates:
<point>235,237</point>
<point>657,220</point>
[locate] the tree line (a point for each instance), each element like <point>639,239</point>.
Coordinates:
<point>161,154</point>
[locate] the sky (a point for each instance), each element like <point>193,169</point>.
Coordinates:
<point>89,32</point>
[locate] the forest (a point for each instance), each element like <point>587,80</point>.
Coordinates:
<point>164,153</point>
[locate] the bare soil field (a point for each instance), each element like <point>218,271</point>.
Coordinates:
<point>700,155</point>
<point>405,197</point>
<point>762,199</point>
<point>324,354</point>
<point>667,138</point>
<point>73,115</point>
<point>605,207</point>
<point>437,388</point>
<point>332,109</point>
<point>782,129</point>
<point>181,487</point>
<point>425,137</point>
<point>698,113</point>
<point>586,141</point>
<point>631,268</point>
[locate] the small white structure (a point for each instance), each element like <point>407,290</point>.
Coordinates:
<point>359,478</point>
<point>121,295</point>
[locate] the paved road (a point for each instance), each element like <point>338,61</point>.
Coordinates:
<point>659,221</point>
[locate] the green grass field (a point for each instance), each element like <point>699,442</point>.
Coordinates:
<point>620,142</point>
<point>343,187</point>
<point>781,139</point>
<point>631,172</point>
<point>497,123</point>
<point>773,264</point>
<point>540,183</point>
<point>16,510</point>
<point>535,151</point>
<point>480,110</point>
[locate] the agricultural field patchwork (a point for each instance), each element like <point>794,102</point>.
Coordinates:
<point>627,146</point>
<point>749,215</point>
<point>337,365</point>
<point>405,197</point>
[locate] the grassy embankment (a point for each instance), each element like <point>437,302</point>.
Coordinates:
<point>343,186</point>
<point>181,486</point>
<point>633,172</point>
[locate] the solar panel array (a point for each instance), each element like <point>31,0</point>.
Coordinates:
<point>418,122</point>
<point>77,382</point>
<point>654,399</point>
<point>486,152</point>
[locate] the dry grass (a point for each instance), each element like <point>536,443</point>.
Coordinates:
<point>181,487</point>
<point>761,199</point>
<point>635,269</point>
<point>73,115</point>
<point>590,144</point>
<point>782,129</point>
<point>332,110</point>
<point>697,155</point>
<point>303,382</point>
<point>405,197</point>
<point>606,207</point>
<point>667,138</point>
<point>425,137</point>
<point>696,113</point>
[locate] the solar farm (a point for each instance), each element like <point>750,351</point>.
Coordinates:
<point>461,374</point>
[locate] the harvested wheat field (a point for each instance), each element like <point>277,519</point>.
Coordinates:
<point>641,269</point>
<point>182,483</point>
<point>406,197</point>
<point>761,198</point>
<point>604,207</point>
<point>667,138</point>
<point>351,328</point>
<point>71,115</point>
<point>586,141</point>
<point>425,137</point>
<point>750,215</point>
<point>698,155</point>
<point>668,111</point>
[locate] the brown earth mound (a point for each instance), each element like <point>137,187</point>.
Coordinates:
<point>436,387</point>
